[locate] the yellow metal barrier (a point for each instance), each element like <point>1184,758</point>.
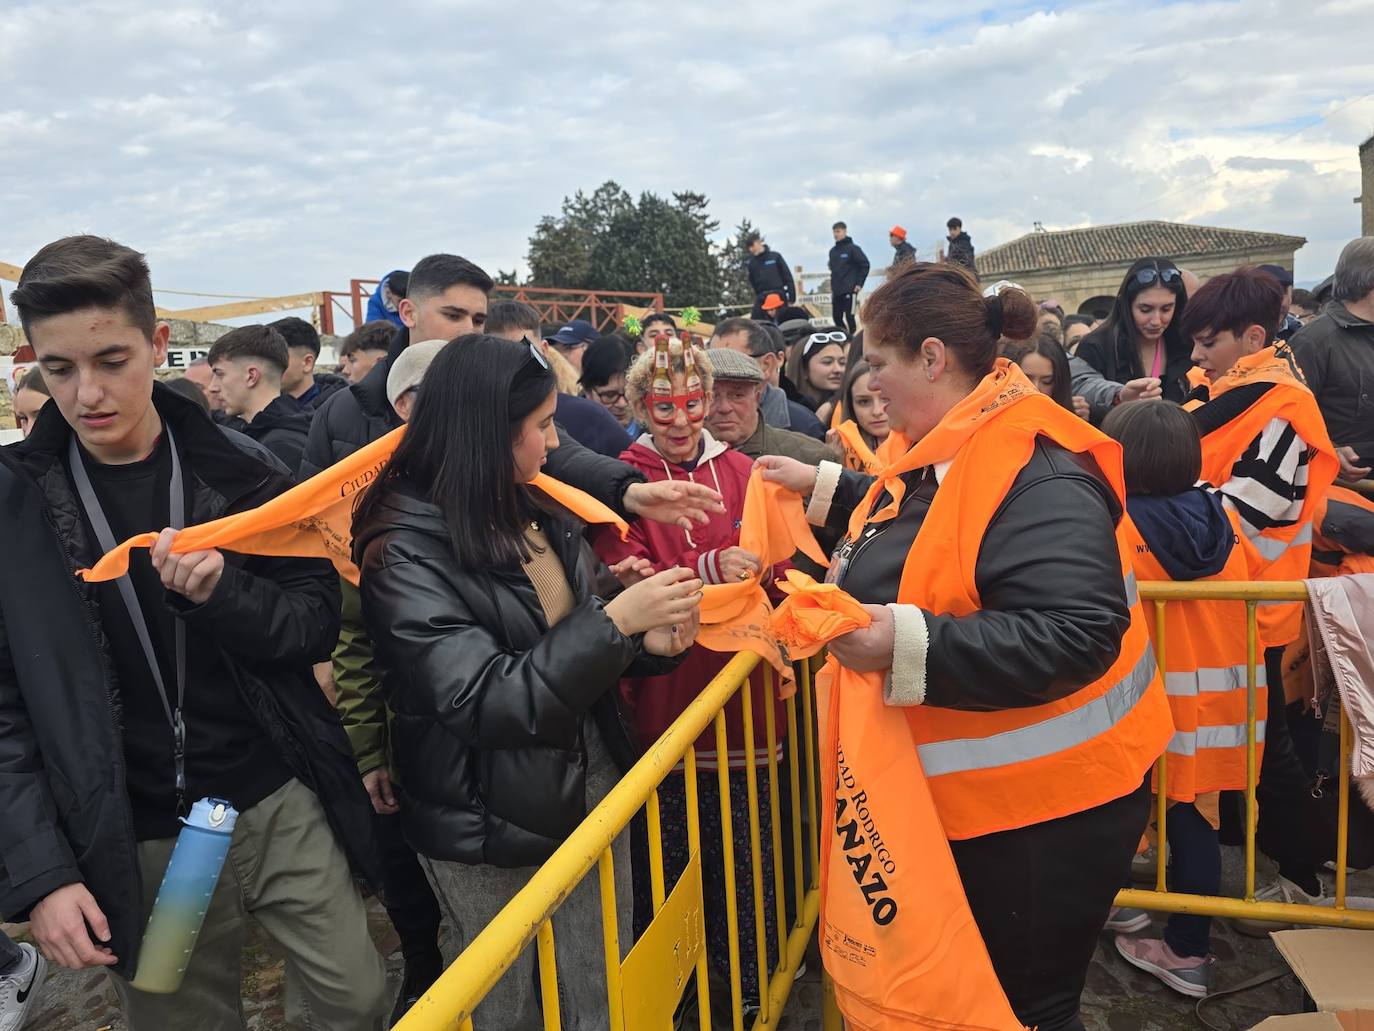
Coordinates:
<point>1160,898</point>
<point>644,989</point>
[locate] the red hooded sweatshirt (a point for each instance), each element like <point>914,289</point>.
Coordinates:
<point>658,701</point>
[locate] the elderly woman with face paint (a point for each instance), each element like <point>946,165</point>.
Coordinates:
<point>669,389</point>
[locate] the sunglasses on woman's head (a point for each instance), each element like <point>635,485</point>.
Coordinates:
<point>1150,276</point>
<point>537,354</point>
<point>823,338</point>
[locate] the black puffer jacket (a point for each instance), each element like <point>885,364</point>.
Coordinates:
<point>848,267</point>
<point>64,813</point>
<point>769,274</point>
<point>283,428</point>
<point>327,384</point>
<point>489,702</point>
<point>1048,574</point>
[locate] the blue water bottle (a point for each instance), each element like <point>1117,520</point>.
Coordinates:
<point>187,887</point>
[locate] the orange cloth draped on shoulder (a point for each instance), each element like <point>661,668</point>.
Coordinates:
<point>735,617</point>
<point>897,935</point>
<point>314,519</point>
<point>857,454</point>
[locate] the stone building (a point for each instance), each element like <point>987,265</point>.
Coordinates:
<point>1083,268</point>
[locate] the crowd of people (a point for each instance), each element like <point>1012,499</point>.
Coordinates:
<point>991,476</point>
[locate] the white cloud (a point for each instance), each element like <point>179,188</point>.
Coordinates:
<point>253,153</point>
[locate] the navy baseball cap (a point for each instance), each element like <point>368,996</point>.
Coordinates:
<point>578,331</point>
<point>1280,273</point>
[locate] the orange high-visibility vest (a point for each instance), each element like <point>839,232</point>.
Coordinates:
<point>995,771</point>
<point>1206,672</point>
<point>896,933</point>
<point>1283,552</point>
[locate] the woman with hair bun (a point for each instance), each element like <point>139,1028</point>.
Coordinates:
<point>991,560</point>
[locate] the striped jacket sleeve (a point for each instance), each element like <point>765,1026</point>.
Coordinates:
<point>1268,485</point>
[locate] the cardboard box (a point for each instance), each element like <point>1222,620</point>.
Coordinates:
<point>1301,1022</point>
<point>1333,964</point>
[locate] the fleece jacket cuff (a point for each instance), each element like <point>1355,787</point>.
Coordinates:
<point>906,683</point>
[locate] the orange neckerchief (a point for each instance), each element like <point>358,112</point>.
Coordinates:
<point>315,519</point>
<point>735,616</point>
<point>1272,364</point>
<point>857,454</point>
<point>1005,385</point>
<point>921,962</point>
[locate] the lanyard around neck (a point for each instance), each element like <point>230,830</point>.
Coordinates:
<point>105,538</point>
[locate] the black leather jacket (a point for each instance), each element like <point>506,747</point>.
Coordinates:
<point>1048,576</point>
<point>490,702</point>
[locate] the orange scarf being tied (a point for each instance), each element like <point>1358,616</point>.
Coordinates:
<point>735,617</point>
<point>315,519</point>
<point>896,932</point>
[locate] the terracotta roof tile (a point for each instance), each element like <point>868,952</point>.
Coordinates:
<point>1122,244</point>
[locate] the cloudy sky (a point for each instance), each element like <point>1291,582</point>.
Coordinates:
<point>264,149</point>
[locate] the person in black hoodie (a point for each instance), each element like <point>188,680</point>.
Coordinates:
<point>301,382</point>
<point>1142,344</point>
<point>502,667</point>
<point>768,274</point>
<point>848,272</point>
<point>121,703</point>
<point>246,368</point>
<point>960,246</point>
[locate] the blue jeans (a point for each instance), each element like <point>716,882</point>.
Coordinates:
<point>1194,868</point>
<point>10,954</point>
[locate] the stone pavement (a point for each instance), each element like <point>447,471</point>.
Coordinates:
<point>1118,997</point>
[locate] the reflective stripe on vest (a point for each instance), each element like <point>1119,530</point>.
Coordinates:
<point>1272,548</point>
<point>1213,678</point>
<point>1187,742</point>
<point>1132,591</point>
<point>1056,734</point>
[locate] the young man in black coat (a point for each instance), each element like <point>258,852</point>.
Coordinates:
<point>246,366</point>
<point>848,271</point>
<point>122,703</point>
<point>768,274</point>
<point>960,246</point>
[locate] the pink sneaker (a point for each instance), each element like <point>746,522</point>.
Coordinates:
<point>1187,975</point>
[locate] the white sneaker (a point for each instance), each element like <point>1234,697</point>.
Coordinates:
<point>1280,890</point>
<point>19,987</point>
<point>1143,866</point>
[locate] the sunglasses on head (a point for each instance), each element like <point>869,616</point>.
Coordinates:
<point>537,354</point>
<point>1150,276</point>
<point>816,339</point>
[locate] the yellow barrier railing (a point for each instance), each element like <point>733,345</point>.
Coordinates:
<point>1160,898</point>
<point>645,987</point>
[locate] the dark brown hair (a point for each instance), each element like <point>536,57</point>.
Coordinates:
<point>1233,302</point>
<point>943,301</point>
<point>33,380</point>
<point>79,272</point>
<point>1048,347</point>
<point>264,343</point>
<point>370,336</point>
<point>1161,446</point>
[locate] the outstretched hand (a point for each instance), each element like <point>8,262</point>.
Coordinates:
<point>676,502</point>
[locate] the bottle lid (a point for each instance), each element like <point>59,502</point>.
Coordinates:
<point>212,814</point>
